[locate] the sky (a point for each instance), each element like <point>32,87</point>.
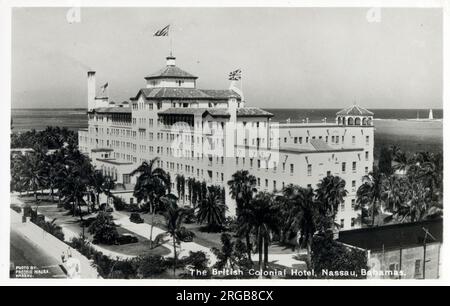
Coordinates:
<point>290,57</point>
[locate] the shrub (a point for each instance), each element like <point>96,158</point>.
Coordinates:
<point>83,246</point>
<point>133,208</point>
<point>104,229</point>
<point>126,239</point>
<point>16,208</point>
<point>334,256</point>
<point>190,215</point>
<point>136,218</point>
<point>119,204</point>
<point>197,260</point>
<point>105,207</point>
<point>151,266</point>
<point>185,235</point>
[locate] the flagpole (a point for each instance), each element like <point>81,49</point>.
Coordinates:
<point>170,37</point>
<point>242,88</point>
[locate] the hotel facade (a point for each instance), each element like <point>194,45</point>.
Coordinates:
<point>208,135</point>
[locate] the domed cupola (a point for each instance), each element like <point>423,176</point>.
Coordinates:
<point>354,115</point>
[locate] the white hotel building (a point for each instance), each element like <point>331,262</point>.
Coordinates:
<point>219,135</point>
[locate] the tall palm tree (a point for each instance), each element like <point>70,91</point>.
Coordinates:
<point>330,193</point>
<point>393,192</point>
<point>78,179</point>
<point>152,183</point>
<point>300,214</point>
<point>242,190</point>
<point>262,217</point>
<point>31,174</point>
<point>418,204</point>
<point>174,219</point>
<point>401,161</point>
<point>370,193</point>
<point>212,209</point>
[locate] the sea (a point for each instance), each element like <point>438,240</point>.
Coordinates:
<point>407,128</point>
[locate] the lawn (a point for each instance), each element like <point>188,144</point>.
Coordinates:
<point>64,218</point>
<point>203,238</point>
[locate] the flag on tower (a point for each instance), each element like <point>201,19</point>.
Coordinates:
<point>103,88</point>
<point>235,75</point>
<point>163,32</point>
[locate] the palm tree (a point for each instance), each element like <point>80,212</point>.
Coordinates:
<point>370,193</point>
<point>212,209</point>
<point>402,161</point>
<point>418,204</point>
<point>393,192</point>
<point>242,190</point>
<point>152,183</point>
<point>262,217</point>
<point>330,193</point>
<point>300,214</point>
<point>174,219</point>
<point>77,182</point>
<point>31,173</point>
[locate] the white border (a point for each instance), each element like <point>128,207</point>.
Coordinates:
<point>5,96</point>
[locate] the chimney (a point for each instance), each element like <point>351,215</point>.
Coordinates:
<point>170,60</point>
<point>91,90</point>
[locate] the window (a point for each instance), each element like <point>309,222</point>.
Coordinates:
<point>343,167</point>
<point>342,223</point>
<point>417,265</point>
<point>292,168</point>
<point>309,170</point>
<point>366,170</point>
<point>352,224</point>
<point>353,184</point>
<point>131,201</point>
<point>353,139</point>
<point>328,173</point>
<point>367,155</point>
<point>354,166</point>
<point>285,139</point>
<point>295,139</point>
<point>300,140</point>
<point>259,181</point>
<point>274,185</point>
<point>284,167</point>
<point>367,140</point>
<point>267,183</point>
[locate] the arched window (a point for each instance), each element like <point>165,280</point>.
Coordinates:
<point>364,121</point>
<point>369,121</point>
<point>358,121</point>
<point>339,120</point>
<point>350,121</point>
